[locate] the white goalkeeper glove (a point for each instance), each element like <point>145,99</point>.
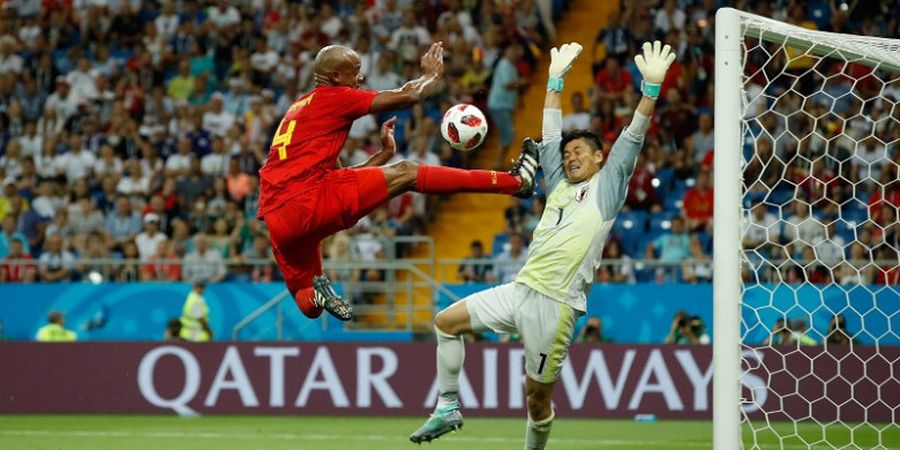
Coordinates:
<point>653,65</point>
<point>561,61</point>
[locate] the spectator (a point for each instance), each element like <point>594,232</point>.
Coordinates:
<point>55,330</point>
<point>622,272</point>
<point>164,265</point>
<point>592,332</point>
<point>699,269</point>
<point>56,263</point>
<point>780,334</point>
<point>829,249</point>
<point>503,99</point>
<point>173,330</point>
<point>135,182</point>
<point>195,316</point>
<point>668,18</point>
<point>675,329</point>
<point>512,259</point>
<point>673,246</point>
<point>760,227</point>
<point>182,84</point>
<point>801,226</point>
<point>617,39</point>
<point>690,330</point>
<point>259,260</point>
<point>216,120</point>
<point>641,192</point>
<point>800,333</point>
<point>108,163</point>
<point>702,141</point>
<point>238,182</point>
<point>215,164</point>
<point>94,249</point>
<point>613,83</point>
<point>678,117</point>
<point>148,240</point>
<point>8,234</point>
<point>837,332</point>
<point>179,164</point>
<point>409,38</point>
<point>222,240</point>
<point>203,264</point>
<point>697,209</point>
<point>579,118</point>
<point>472,272</point>
<point>124,224</point>
<point>18,265</point>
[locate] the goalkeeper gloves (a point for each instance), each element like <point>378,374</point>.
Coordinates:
<point>561,61</point>
<point>653,65</point>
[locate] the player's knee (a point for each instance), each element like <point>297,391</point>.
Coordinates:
<point>409,170</point>
<point>443,324</point>
<point>538,405</point>
<point>401,175</point>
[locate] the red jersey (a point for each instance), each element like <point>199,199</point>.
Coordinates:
<point>698,204</point>
<point>309,140</point>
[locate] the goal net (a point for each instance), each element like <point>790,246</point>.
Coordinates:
<point>807,309</point>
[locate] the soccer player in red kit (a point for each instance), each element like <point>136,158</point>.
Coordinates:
<point>306,196</point>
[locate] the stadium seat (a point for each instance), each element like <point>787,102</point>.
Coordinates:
<point>662,222</point>
<point>705,241</point>
<point>500,240</point>
<point>629,226</point>
<point>665,176</point>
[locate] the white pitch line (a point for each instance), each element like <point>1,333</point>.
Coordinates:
<point>376,437</point>
<point>329,437</point>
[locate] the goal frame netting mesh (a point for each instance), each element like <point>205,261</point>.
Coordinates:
<point>764,390</point>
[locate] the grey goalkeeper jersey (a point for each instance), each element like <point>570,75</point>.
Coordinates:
<point>565,253</point>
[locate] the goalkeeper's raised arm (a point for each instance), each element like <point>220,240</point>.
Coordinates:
<point>561,60</point>
<point>653,63</point>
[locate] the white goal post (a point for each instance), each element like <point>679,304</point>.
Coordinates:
<point>751,102</point>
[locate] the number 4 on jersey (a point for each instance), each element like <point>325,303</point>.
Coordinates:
<point>283,138</point>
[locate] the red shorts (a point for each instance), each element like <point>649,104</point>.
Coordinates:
<point>317,210</point>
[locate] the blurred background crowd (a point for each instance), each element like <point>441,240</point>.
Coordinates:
<point>133,131</point>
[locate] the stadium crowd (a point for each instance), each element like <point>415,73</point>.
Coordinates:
<point>133,131</point>
<point>822,195</point>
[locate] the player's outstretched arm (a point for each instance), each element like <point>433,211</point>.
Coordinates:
<point>653,64</point>
<point>432,64</point>
<point>388,145</point>
<point>561,60</point>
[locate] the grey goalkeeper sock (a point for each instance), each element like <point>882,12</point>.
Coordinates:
<point>538,432</point>
<point>451,353</point>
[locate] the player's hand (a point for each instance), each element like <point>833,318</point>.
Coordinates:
<point>562,58</point>
<point>432,61</point>
<point>388,144</point>
<point>655,61</point>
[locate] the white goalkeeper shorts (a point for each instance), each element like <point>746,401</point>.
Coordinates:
<point>545,325</point>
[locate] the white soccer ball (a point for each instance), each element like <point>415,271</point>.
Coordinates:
<point>464,127</point>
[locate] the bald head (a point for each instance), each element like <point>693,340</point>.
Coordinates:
<point>337,65</point>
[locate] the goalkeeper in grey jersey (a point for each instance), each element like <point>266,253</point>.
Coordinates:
<point>549,293</point>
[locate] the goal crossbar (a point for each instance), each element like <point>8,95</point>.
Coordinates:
<point>877,52</point>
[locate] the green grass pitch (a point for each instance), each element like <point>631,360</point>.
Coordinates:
<point>94,432</point>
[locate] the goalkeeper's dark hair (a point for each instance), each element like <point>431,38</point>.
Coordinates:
<point>592,140</point>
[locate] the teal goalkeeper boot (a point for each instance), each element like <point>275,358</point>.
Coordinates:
<point>444,420</point>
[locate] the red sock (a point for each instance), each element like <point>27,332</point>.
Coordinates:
<point>304,300</point>
<point>448,180</point>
